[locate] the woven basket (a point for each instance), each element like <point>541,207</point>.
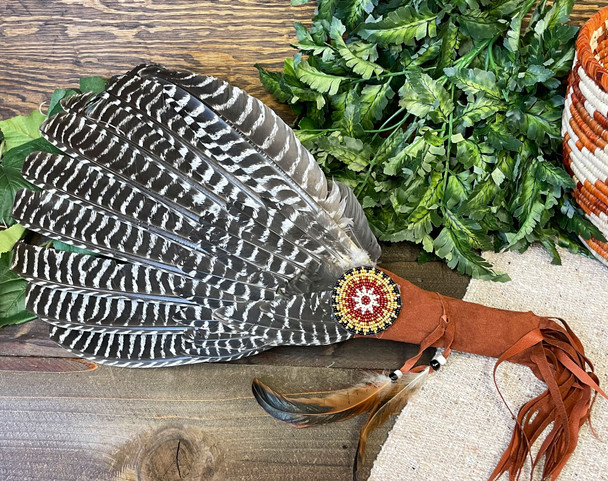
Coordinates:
<point>585,126</point>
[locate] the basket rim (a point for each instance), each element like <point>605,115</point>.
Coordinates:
<point>585,55</point>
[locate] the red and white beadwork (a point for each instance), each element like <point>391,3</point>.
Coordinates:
<point>365,300</point>
<point>585,126</point>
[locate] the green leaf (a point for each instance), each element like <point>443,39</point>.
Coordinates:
<point>480,26</point>
<point>449,46</point>
<point>500,139</point>
<point>559,13</point>
<point>563,62</point>
<point>326,9</point>
<point>93,84</point>
<point>297,90</point>
<point>481,108</point>
<point>529,204</point>
<point>415,159</point>
<point>554,175</point>
<point>11,179</point>
<point>498,177</point>
<point>421,95</point>
<point>351,119</point>
<point>541,120</point>
<point>57,97</point>
<point>319,30</point>
<point>457,190</point>
<point>533,75</point>
<point>62,246</point>
<point>549,245</point>
<point>572,219</point>
<point>502,8</point>
<point>513,36</point>
<point>474,234</point>
<point>9,237</point>
<point>402,26</point>
<point>474,81</point>
<point>530,221</point>
<point>351,152</point>
<point>393,152</point>
<point>426,56</point>
<point>21,129</point>
<point>272,82</point>
<point>360,66</point>
<point>317,80</point>
<point>12,294</point>
<point>364,50</point>
<point>374,99</point>
<point>354,11</point>
<point>307,44</point>
<point>316,115</point>
<point>452,245</point>
<point>481,196</point>
<point>469,154</point>
<point>421,206</point>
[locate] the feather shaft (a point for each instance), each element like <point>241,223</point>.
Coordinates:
<point>405,387</point>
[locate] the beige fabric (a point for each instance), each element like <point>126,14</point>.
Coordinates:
<point>457,427</point>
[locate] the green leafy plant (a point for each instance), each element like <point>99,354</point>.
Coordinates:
<point>19,137</point>
<point>444,117</point>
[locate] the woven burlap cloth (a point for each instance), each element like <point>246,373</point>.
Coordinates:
<point>456,427</point>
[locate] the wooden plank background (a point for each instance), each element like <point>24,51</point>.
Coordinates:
<point>63,419</point>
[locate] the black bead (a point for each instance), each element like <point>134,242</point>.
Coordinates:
<point>435,364</point>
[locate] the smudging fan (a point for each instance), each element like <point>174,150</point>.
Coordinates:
<point>219,237</point>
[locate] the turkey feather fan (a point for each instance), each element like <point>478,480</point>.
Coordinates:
<point>199,201</point>
<point>212,235</point>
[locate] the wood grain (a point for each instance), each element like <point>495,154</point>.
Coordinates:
<point>117,424</point>
<point>47,45</point>
<point>44,364</point>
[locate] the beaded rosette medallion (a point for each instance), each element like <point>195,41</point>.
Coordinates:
<point>365,300</point>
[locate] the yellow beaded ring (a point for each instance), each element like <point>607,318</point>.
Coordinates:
<point>365,300</point>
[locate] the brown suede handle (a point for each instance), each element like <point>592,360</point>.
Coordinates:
<point>478,329</point>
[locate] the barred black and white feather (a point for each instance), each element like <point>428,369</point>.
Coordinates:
<point>213,233</point>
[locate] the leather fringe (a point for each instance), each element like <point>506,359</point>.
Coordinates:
<point>557,357</point>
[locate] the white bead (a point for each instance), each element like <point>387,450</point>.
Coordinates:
<point>440,359</point>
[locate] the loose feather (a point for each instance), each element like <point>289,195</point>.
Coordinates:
<point>379,395</point>
<point>309,410</point>
<point>404,389</point>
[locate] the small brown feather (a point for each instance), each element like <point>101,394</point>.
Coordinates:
<point>309,410</point>
<point>379,395</point>
<point>392,403</point>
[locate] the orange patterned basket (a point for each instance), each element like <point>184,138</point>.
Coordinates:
<point>585,126</point>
